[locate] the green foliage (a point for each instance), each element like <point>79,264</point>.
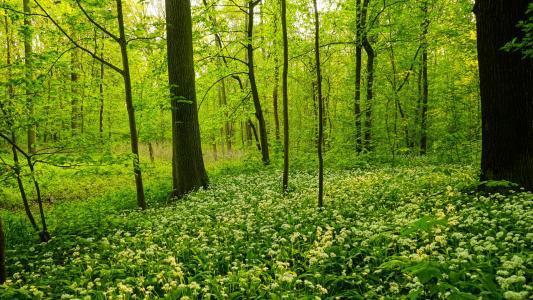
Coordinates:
<point>387,232</point>
<point>524,44</point>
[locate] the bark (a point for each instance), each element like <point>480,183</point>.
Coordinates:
<point>101,98</point>
<point>424,117</point>
<point>358,66</point>
<point>285,96</point>
<point>506,86</point>
<point>369,94</point>
<point>134,140</point>
<point>253,130</point>
<point>187,161</point>
<point>320,110</point>
<point>75,97</point>
<point>10,92</point>
<point>28,61</point>
<point>253,85</point>
<point>276,78</point>
<point>3,274</point>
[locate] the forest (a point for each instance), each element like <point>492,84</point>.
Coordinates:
<point>266,149</point>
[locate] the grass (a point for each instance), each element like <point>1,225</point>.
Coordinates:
<point>386,232</point>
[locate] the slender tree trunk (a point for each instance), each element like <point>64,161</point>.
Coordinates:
<point>253,85</point>
<point>131,109</point>
<point>253,130</point>
<point>358,67</point>
<point>506,85</point>
<point>28,60</point>
<point>75,97</point>
<point>101,95</point>
<point>369,94</point>
<point>424,117</point>
<point>44,235</point>
<point>3,273</point>
<point>276,78</point>
<point>320,141</point>
<point>285,96</point>
<point>10,92</point>
<point>187,161</point>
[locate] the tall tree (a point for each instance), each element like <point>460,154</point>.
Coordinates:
<point>28,68</point>
<point>188,171</point>
<point>506,86</point>
<point>126,76</point>
<point>424,80</point>
<point>358,68</point>
<point>285,96</point>
<point>320,140</point>
<point>253,84</point>
<point>2,255</point>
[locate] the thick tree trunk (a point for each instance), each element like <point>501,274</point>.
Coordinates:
<point>424,117</point>
<point>28,60</point>
<point>253,85</point>
<point>285,96</point>
<point>506,86</point>
<point>131,109</point>
<point>187,161</point>
<point>320,141</point>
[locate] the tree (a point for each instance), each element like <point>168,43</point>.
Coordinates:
<point>188,171</point>
<point>506,86</point>
<point>28,64</point>
<point>2,254</point>
<point>424,80</point>
<point>126,76</point>
<point>253,84</point>
<point>320,140</point>
<point>285,96</point>
<point>360,27</point>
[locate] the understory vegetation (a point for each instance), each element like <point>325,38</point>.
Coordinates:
<point>385,231</point>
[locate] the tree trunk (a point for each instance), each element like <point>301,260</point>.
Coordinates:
<point>3,274</point>
<point>424,117</point>
<point>358,66</point>
<point>276,77</point>
<point>131,109</point>
<point>285,96</point>
<point>187,161</point>
<point>10,92</point>
<point>75,97</point>
<point>253,85</point>
<point>28,61</point>
<point>101,95</point>
<point>369,94</point>
<point>506,86</point>
<point>320,110</point>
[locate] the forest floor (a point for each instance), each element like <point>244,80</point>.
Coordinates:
<point>387,232</point>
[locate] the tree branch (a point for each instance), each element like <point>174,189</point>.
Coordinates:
<point>102,28</point>
<point>105,62</point>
